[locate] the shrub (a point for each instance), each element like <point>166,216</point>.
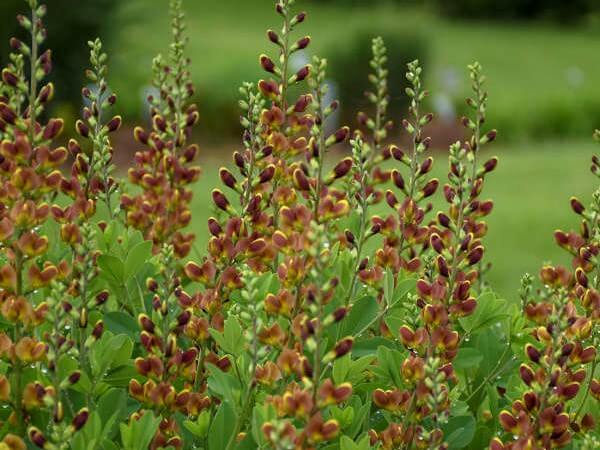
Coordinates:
<point>351,78</point>
<point>84,19</point>
<point>557,10</point>
<point>310,322</point>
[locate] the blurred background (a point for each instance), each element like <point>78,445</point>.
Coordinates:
<point>541,57</point>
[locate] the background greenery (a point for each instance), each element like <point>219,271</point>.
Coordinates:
<point>541,60</point>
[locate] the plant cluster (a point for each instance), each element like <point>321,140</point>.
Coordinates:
<point>334,307</point>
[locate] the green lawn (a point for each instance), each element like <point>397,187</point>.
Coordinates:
<point>531,189</point>
<point>542,78</point>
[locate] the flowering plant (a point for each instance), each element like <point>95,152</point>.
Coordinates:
<point>333,308</point>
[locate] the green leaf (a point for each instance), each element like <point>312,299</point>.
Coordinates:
<point>136,258</point>
<point>467,358</point>
<point>137,434</point>
<point>232,338</point>
<point>111,268</point>
<point>459,431</point>
<point>362,315</point>
<point>490,310</point>
<point>120,322</point>
<point>222,427</point>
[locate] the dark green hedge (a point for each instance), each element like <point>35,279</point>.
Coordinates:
<point>349,68</point>
<point>70,24</point>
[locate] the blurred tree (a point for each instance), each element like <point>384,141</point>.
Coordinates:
<point>70,24</point>
<point>350,73</point>
<point>564,11</point>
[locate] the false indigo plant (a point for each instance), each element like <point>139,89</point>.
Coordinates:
<point>332,308</point>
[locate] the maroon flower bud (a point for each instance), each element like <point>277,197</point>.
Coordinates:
<point>436,243</point>
<point>490,164</point>
<point>268,88</point>
<point>577,206</point>
<point>426,166</point>
<point>80,419</point>
<point>397,153</point>
<point>53,128</point>
<point>300,17</point>
<point>114,124</point>
<point>430,188</point>
<point>214,227</point>
<point>301,181</point>
<point>37,437</point>
<point>303,43</point>
<point>74,377</point>
<point>46,93</point>
<point>146,323</point>
<point>101,298</point>
<point>184,318</point>
<point>533,353</point>
<point>112,99</point>
<point>273,37</point>
<point>343,347</point>
<point>266,151</point>
<point>7,114</point>
<point>220,200</point>
<point>227,178</point>
<point>391,199</point>
<point>340,313</point>
<point>350,236</point>
<point>302,103</point>
<point>267,64</point>
<point>98,330</point>
<point>239,160</point>
<point>10,78</point>
<point>443,220</point>
<point>475,255</point>
<point>82,129</point>
<point>527,374</point>
<point>343,167</point>
<point>442,265</point>
<point>15,44</point>
<point>141,135</point>
<point>491,135</point>
<point>267,174</point>
<point>302,73</point>
<point>398,180</point>
<point>337,137</point>
<point>581,277</point>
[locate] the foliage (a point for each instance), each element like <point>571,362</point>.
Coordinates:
<point>310,322</point>
<point>66,19</point>
<point>564,12</point>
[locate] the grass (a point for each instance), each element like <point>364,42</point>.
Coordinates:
<point>542,78</point>
<point>531,189</point>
